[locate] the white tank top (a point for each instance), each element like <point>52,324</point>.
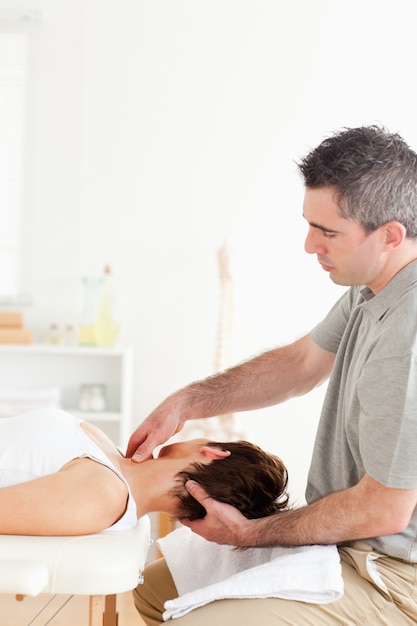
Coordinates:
<point>40,442</point>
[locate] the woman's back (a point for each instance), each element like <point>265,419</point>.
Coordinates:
<point>43,442</point>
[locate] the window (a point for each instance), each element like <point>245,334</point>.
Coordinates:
<point>14,80</point>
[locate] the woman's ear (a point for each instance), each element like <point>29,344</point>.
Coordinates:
<point>214,454</point>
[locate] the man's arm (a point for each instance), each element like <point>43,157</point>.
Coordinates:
<point>270,378</point>
<point>368,509</point>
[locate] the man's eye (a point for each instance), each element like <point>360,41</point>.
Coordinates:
<point>329,235</point>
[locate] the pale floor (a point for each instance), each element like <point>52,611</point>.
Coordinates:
<point>75,613</point>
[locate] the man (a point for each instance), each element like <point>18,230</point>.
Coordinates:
<point>361,207</point>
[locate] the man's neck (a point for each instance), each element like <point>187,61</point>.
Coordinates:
<point>397,261</point>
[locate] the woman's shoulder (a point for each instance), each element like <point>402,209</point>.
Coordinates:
<point>99,488</point>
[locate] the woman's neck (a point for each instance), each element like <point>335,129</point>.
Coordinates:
<point>151,483</point>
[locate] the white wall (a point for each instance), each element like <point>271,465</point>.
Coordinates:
<point>163,127</point>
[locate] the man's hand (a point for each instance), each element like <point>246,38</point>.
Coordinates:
<point>223,523</point>
<point>161,424</point>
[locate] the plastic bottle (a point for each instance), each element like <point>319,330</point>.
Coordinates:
<point>54,336</point>
<point>70,335</point>
<point>106,329</point>
<point>87,329</point>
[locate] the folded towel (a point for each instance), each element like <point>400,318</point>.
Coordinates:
<point>204,571</point>
<point>16,401</point>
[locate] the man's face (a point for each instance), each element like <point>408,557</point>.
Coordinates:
<point>343,247</point>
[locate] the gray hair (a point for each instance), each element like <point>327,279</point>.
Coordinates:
<point>373,173</point>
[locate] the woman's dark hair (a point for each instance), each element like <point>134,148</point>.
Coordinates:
<point>250,479</point>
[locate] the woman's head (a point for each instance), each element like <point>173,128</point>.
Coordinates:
<point>249,479</point>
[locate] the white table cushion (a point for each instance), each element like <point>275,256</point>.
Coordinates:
<point>105,563</point>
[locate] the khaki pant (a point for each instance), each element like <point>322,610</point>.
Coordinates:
<point>390,600</point>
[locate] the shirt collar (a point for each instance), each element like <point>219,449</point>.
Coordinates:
<point>380,303</point>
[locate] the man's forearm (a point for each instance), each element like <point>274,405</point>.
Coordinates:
<point>304,526</point>
<point>270,378</point>
<point>366,510</point>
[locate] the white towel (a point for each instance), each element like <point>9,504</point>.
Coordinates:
<point>18,401</point>
<point>205,571</point>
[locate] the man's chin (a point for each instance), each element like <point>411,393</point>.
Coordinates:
<point>339,280</point>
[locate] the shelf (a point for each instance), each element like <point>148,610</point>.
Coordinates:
<point>43,348</point>
<point>32,367</point>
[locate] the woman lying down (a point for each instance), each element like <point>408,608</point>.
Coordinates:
<point>60,475</point>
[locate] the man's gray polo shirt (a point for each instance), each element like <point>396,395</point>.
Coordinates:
<point>369,418</point>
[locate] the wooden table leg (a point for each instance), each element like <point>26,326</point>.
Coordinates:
<point>95,615</point>
<point>110,616</point>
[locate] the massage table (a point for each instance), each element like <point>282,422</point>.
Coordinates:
<point>103,564</point>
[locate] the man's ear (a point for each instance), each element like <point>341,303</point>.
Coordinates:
<point>213,453</point>
<point>394,233</point>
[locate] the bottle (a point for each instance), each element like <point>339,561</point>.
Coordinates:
<point>54,336</point>
<point>87,329</point>
<point>106,329</point>
<point>70,335</point>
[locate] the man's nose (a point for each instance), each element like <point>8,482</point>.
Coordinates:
<point>312,244</point>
